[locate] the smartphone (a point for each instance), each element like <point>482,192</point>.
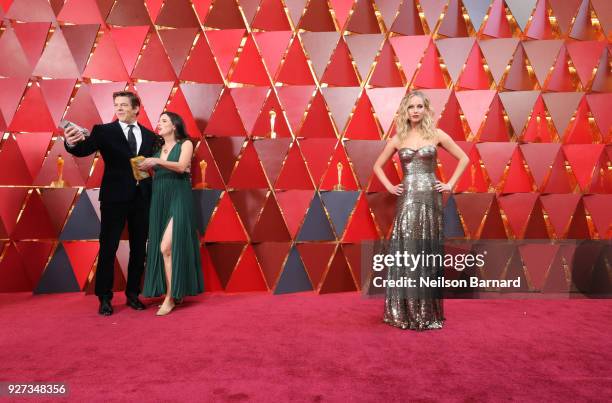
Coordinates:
<point>64,124</point>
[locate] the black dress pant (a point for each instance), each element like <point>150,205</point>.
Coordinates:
<point>113,219</point>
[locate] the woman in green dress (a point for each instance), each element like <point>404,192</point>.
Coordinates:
<point>174,266</point>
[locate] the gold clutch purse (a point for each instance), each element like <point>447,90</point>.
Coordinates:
<point>138,174</point>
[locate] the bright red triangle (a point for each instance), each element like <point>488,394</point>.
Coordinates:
<point>32,104</point>
<point>585,55</point>
<point>212,176</point>
<point>225,120</point>
<point>33,148</point>
<point>474,75</point>
<point>317,154</point>
<point>248,174</point>
<point>330,178</point>
<point>517,179</point>
<point>342,9</point>
<point>340,71</point>
<point>262,124</point>
<point>430,74</point>
<point>106,63</point>
<point>561,79</point>
<point>81,256</point>
<point>178,104</point>
<point>497,25</point>
<point>201,66</point>
<point>224,225</point>
<point>250,69</point>
<point>363,125</point>
<point>294,174</point>
<point>57,94</point>
<point>386,73</point>
<point>495,127</point>
<point>154,64</point>
<point>247,275</point>
<point>558,180</point>
<point>583,159</point>
<point>361,225</point>
<point>13,168</point>
<point>450,120</point>
<point>294,69</point>
<point>538,129</point>
<point>34,222</point>
<point>224,45</point>
<point>212,282</point>
<point>539,27</point>
<point>579,130</point>
<point>83,110</point>
<point>317,122</point>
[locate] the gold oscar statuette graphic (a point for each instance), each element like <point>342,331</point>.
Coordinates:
<point>472,187</point>
<point>59,183</point>
<point>538,138</point>
<point>339,186</point>
<point>138,174</point>
<point>272,122</point>
<point>202,184</point>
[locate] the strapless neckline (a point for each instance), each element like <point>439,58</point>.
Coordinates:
<point>416,149</point>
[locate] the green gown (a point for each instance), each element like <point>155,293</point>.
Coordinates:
<point>172,198</point>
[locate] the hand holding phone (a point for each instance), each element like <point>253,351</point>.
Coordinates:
<point>72,132</point>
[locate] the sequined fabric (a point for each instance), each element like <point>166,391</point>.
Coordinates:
<point>417,229</point>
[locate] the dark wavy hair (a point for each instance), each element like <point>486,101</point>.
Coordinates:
<point>179,129</point>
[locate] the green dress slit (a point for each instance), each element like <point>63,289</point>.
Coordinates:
<point>172,199</point>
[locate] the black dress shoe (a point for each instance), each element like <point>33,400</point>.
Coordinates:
<point>106,308</point>
<point>134,303</point>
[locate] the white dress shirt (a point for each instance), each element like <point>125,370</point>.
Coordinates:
<point>136,130</point>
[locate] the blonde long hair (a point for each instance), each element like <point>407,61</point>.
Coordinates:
<point>426,126</point>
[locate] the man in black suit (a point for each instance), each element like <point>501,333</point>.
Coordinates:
<point>122,198</point>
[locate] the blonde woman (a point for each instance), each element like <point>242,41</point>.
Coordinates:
<point>413,301</point>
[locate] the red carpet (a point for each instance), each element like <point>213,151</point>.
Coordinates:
<point>309,348</point>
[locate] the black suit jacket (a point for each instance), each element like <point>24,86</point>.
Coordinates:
<point>118,183</point>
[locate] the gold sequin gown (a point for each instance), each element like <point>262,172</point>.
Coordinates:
<point>417,229</point>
